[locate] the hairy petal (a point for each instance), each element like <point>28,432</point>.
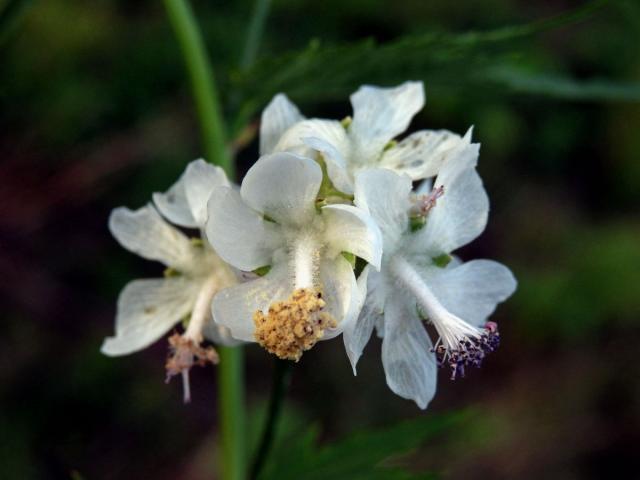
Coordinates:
<point>174,206</point>
<point>284,186</point>
<point>380,114</point>
<point>240,235</point>
<point>409,364</point>
<point>471,290</point>
<point>234,307</point>
<point>147,309</point>
<point>276,119</point>
<point>385,195</point>
<point>200,180</point>
<point>145,233</point>
<point>422,154</point>
<point>461,213</point>
<point>350,229</point>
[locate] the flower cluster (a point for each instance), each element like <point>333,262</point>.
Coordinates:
<point>325,236</point>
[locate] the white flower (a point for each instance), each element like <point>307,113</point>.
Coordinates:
<point>149,308</point>
<point>310,291</point>
<point>415,281</point>
<point>379,115</point>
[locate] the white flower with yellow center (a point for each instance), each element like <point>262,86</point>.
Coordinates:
<point>366,141</point>
<point>310,290</point>
<point>419,281</point>
<point>149,308</point>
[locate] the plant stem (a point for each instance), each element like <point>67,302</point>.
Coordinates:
<point>231,370</point>
<point>231,413</point>
<point>203,83</point>
<point>281,379</point>
<point>254,34</point>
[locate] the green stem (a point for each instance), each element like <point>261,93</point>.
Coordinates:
<point>281,379</point>
<point>203,83</point>
<point>231,413</point>
<point>254,34</point>
<point>231,370</point>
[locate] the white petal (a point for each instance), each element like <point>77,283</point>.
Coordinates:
<point>338,168</point>
<point>200,180</point>
<point>340,292</point>
<point>284,186</point>
<point>409,364</point>
<point>358,329</point>
<point>277,117</point>
<point>327,137</point>
<point>174,206</point>
<point>239,235</point>
<point>330,131</point>
<point>147,309</point>
<point>385,195</point>
<point>380,114</point>
<point>234,307</point>
<point>350,229</point>
<point>145,233</point>
<point>472,290</point>
<point>219,334</point>
<point>460,215</point>
<point>422,154</point>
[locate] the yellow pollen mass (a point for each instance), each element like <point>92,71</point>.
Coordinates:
<point>294,325</point>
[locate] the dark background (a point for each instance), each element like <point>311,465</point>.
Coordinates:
<point>96,113</point>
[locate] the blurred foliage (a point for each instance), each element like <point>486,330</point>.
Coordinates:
<point>363,455</point>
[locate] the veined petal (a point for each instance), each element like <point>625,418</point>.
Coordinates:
<point>422,154</point>
<point>471,290</point>
<point>350,229</point>
<point>340,292</point>
<point>358,328</point>
<point>284,186</point>
<point>234,307</point>
<point>240,235</point>
<point>380,114</point>
<point>409,364</point>
<point>145,233</point>
<point>147,309</point>
<point>385,195</point>
<point>174,206</point>
<point>277,117</point>
<point>461,213</point>
<point>200,180</point>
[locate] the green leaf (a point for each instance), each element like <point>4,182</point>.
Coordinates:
<point>366,455</point>
<point>328,72</point>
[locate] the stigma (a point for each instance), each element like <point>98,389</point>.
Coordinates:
<point>422,204</point>
<point>292,326</point>
<point>184,353</point>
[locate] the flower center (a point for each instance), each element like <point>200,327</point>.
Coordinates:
<point>293,326</point>
<point>460,344</point>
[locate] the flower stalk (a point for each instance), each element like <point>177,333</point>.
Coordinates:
<point>230,371</point>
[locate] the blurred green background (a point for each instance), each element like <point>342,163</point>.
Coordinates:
<point>96,113</point>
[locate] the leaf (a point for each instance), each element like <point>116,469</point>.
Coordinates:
<point>368,455</point>
<point>556,86</point>
<point>327,72</point>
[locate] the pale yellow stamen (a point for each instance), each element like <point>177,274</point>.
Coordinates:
<point>293,326</point>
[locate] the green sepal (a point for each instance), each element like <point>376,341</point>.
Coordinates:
<point>171,272</point>
<point>346,122</point>
<point>442,260</point>
<point>196,242</point>
<point>351,258</point>
<point>390,145</point>
<point>328,193</point>
<point>416,223</point>
<point>267,218</point>
<point>262,271</point>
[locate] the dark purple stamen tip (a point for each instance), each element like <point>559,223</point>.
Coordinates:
<point>471,351</point>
